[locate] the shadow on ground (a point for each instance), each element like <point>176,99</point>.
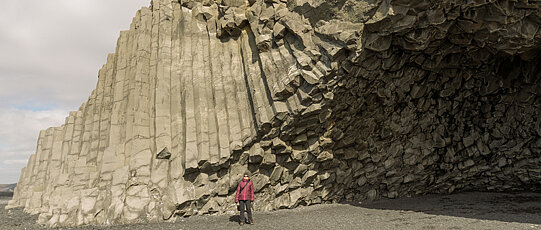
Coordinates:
<point>234,218</point>
<point>506,207</point>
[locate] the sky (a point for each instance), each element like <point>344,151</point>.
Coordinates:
<point>50,54</point>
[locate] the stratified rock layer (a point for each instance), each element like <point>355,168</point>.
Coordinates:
<point>321,101</point>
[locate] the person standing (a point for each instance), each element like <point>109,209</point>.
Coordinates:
<point>244,199</point>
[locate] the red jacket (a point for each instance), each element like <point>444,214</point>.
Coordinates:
<point>247,193</point>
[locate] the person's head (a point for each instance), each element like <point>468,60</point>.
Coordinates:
<point>246,176</point>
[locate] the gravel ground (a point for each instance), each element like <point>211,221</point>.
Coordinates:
<point>457,211</point>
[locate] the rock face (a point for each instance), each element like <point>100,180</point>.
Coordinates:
<point>322,101</point>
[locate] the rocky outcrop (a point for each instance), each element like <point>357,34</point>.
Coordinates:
<point>322,101</point>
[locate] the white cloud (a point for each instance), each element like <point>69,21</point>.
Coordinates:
<point>51,52</point>
<point>15,162</point>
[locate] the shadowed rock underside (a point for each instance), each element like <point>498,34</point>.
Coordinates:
<point>322,101</point>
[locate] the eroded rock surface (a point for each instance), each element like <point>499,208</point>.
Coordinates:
<point>322,101</point>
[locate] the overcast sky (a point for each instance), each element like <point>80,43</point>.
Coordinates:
<point>50,54</point>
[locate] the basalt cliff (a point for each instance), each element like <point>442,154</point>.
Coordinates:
<point>320,101</point>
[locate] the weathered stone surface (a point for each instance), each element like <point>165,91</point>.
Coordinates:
<point>321,101</point>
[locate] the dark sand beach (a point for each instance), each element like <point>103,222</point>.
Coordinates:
<point>473,210</point>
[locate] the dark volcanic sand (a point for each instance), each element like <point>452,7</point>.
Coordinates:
<point>458,211</point>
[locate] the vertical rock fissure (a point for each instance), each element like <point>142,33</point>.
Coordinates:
<point>249,89</point>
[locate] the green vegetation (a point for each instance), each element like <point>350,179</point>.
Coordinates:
<point>6,194</point>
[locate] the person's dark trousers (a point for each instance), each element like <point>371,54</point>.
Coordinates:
<point>248,205</point>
